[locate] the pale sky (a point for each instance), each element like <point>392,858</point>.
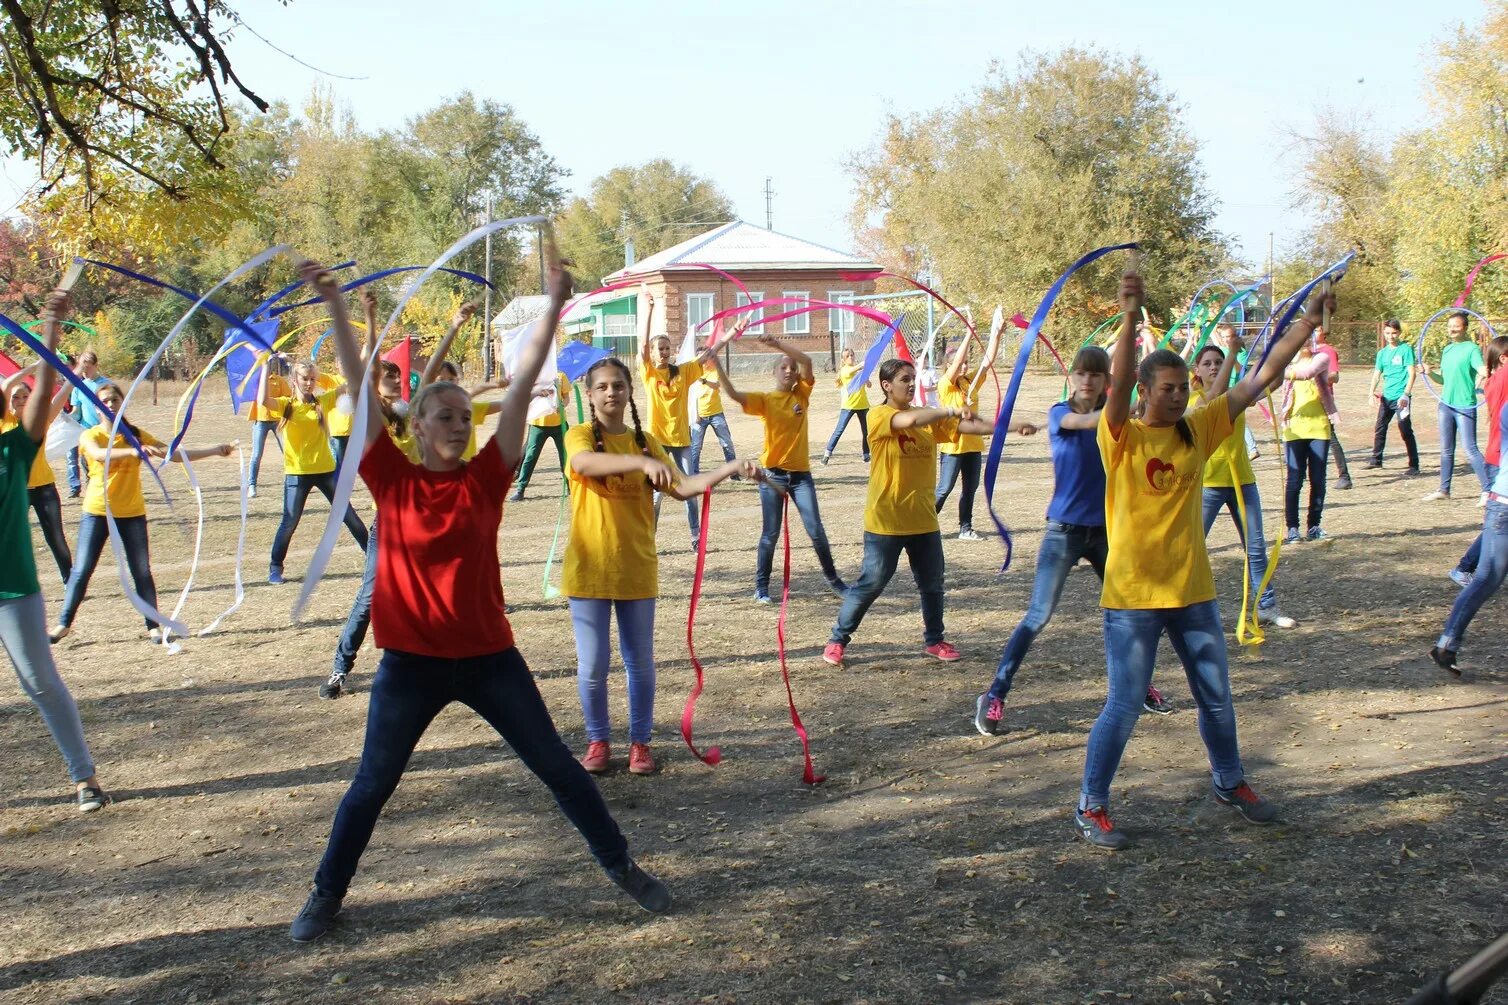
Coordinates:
<point>790,90</point>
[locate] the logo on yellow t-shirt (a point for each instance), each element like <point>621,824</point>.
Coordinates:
<point>910,446</point>
<point>1163,477</point>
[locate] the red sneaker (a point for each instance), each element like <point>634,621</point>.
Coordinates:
<point>640,760</point>
<point>945,652</point>
<point>598,757</point>
<point>833,653</point>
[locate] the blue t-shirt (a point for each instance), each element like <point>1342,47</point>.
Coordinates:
<point>1078,494</point>
<point>86,413</point>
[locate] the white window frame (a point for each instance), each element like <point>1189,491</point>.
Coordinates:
<point>841,322</point>
<point>756,315</point>
<point>691,320</point>
<point>800,324</point>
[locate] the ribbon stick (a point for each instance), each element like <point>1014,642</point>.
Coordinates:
<point>1008,403</point>
<point>1472,277</point>
<point>714,754</point>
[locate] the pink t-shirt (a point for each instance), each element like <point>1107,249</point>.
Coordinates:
<point>1327,392</point>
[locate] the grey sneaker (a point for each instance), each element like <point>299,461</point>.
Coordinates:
<point>648,892</point>
<point>1273,616</point>
<point>91,799</point>
<point>987,714</point>
<point>761,597</point>
<point>839,588</point>
<point>333,688</point>
<point>1317,535</point>
<point>1292,537</point>
<point>1095,827</point>
<point>315,918</point>
<point>827,455</point>
<point>1245,801</point>
<point>1461,579</point>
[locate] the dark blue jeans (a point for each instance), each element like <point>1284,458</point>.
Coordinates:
<point>1306,458</point>
<point>719,424</point>
<point>259,433</point>
<point>882,552</point>
<point>802,489</point>
<point>952,466</point>
<point>1473,556</point>
<point>355,632</point>
<point>338,446</point>
<point>844,414</point>
<point>1062,546</point>
<point>1491,570</point>
<point>75,484</point>
<point>94,532</point>
<point>1224,497</point>
<point>1131,638</point>
<point>49,510</point>
<point>296,489</point>
<point>407,693</point>
<point>1459,423</point>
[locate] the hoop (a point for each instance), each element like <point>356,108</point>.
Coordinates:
<point>1419,352</point>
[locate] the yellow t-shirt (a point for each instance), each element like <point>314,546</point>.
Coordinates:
<point>902,475</point>
<point>709,396</point>
<point>306,440</point>
<point>859,400</point>
<point>956,395</point>
<point>1306,418</point>
<point>1153,489</point>
<point>667,402</point>
<point>41,472</point>
<point>1229,456</point>
<point>552,418</point>
<point>479,412</point>
<point>277,387</point>
<point>612,553</point>
<point>784,414</point>
<point>338,418</point>
<point>124,489</point>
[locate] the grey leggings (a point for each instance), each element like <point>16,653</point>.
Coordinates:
<point>23,632</point>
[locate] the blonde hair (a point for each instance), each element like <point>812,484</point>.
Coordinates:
<point>417,405</point>
<point>304,366</point>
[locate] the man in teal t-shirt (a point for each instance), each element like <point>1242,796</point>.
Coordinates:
<point>1396,371</point>
<point>1461,368</point>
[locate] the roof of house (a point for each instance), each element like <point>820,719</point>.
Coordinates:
<point>743,247</point>
<point>520,311</point>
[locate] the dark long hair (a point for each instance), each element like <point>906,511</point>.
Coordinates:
<point>889,369</point>
<point>1165,359</point>
<point>397,423</point>
<point>633,409</point>
<point>1496,350</point>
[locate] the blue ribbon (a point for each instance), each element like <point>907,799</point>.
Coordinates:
<point>873,355</point>
<point>1269,336</point>
<point>222,313</point>
<point>280,294</point>
<point>355,283</point>
<point>267,333</point>
<point>1008,403</point>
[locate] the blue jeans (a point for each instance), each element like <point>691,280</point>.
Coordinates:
<point>1491,570</point>
<point>338,446</point>
<point>952,466</point>
<point>259,432</point>
<point>1063,544</point>
<point>844,414</point>
<point>357,622</point>
<point>882,552</point>
<point>23,633</point>
<point>636,641</point>
<point>1251,441</point>
<point>93,533</point>
<point>407,693</point>
<point>75,484</point>
<point>1459,423</point>
<point>1305,458</point>
<point>296,489</point>
<point>49,510</point>
<point>1473,556</point>
<point>682,458</point>
<point>803,492</point>
<point>719,424</point>
<point>1216,499</point>
<point>1131,639</point>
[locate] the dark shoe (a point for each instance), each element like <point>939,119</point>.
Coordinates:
<point>1245,801</point>
<point>91,799</point>
<point>1445,659</point>
<point>648,892</point>
<point>1095,827</point>
<point>1412,472</point>
<point>1343,482</point>
<point>1155,702</point>
<point>75,493</point>
<point>987,714</point>
<point>332,688</point>
<point>315,919</point>
<point>839,588</point>
<point>517,495</point>
<point>1373,464</point>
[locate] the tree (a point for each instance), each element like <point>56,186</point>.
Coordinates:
<point>1000,193</point>
<point>656,204</point>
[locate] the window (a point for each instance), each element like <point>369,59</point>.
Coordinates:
<point>620,325</point>
<point>840,321</point>
<point>754,297</point>
<point>801,324</point>
<point>699,307</point>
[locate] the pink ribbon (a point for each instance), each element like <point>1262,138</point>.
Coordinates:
<point>1472,276</point>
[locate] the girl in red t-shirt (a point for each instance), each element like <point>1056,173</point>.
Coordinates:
<point>1496,391</point>
<point>438,615</point>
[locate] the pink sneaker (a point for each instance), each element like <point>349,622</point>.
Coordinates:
<point>833,653</point>
<point>598,757</point>
<point>640,760</point>
<point>945,652</point>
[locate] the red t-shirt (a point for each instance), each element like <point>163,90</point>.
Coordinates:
<point>439,588</point>
<point>1497,394</point>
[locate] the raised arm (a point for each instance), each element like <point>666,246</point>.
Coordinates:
<point>40,407</point>
<point>1123,366</point>
<point>538,344</point>
<point>1247,390</point>
<point>955,363</point>
<point>369,312</point>
<point>715,358</point>
<point>352,359</point>
<point>802,359</point>
<point>432,368</point>
<point>646,314</point>
<point>1228,365</point>
<point>29,370</point>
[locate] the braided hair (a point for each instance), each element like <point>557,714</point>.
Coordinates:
<point>633,409</point>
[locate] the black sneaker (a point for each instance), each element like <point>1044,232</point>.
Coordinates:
<point>91,799</point>
<point>1155,702</point>
<point>1095,827</point>
<point>1413,473</point>
<point>517,495</point>
<point>1245,801</point>
<point>987,714</point>
<point>839,588</point>
<point>1445,659</point>
<point>315,919</point>
<point>331,689</point>
<point>648,892</point>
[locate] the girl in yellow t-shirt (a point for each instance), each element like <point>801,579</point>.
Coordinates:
<point>122,496</point>
<point>667,385</point>
<point>308,462</point>
<point>855,406</point>
<point>41,482</point>
<point>611,562</point>
<point>963,454</point>
<point>899,512</point>
<point>1157,574</point>
<point>786,461</point>
<point>709,415</point>
<point>1306,443</point>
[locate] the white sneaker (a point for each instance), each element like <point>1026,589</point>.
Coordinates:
<point>1435,496</point>
<point>251,491</point>
<point>1273,616</point>
<point>970,535</point>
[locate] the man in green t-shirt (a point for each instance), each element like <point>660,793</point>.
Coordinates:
<point>1461,371</point>
<point>1393,387</point>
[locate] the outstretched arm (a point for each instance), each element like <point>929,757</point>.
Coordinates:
<point>1123,366</point>
<point>432,368</point>
<point>39,407</point>
<point>722,377</point>
<point>347,350</point>
<point>1247,390</point>
<point>538,344</point>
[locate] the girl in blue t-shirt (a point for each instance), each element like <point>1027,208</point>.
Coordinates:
<point>1075,525</point>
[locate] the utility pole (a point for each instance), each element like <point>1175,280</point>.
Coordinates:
<point>487,362</point>
<point>539,243</point>
<point>1272,278</point>
<point>769,204</point>
<point>629,254</point>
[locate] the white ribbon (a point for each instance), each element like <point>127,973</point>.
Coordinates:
<point>240,545</point>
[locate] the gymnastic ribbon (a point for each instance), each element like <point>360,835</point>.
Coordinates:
<point>262,307</point>
<point>1008,403</point>
<point>1472,277</point>
<point>713,755</point>
<point>808,774</point>
<point>228,316</point>
<point>372,278</point>
<point>240,591</point>
<point>345,480</point>
<point>872,358</point>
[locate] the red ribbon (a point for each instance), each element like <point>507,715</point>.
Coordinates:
<point>713,754</point>
<point>1472,278</point>
<point>808,774</point>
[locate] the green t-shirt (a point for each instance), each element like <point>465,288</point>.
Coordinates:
<point>1459,365</point>
<point>18,566</point>
<point>1393,362</point>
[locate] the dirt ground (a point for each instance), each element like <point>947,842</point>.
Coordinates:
<point>932,865</point>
